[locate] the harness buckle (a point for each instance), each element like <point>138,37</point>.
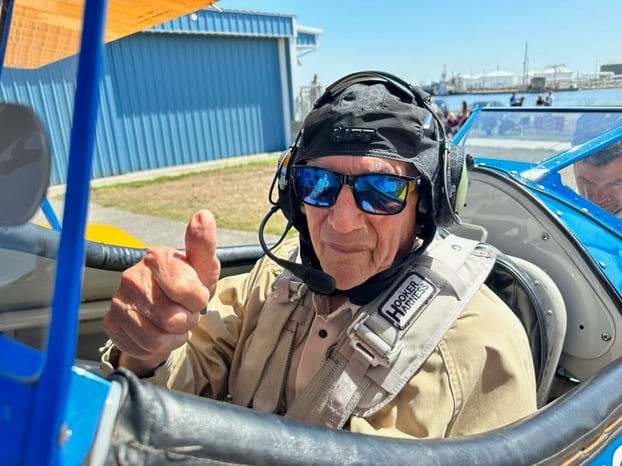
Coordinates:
<point>370,345</point>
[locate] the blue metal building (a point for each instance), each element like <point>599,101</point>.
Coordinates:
<point>211,85</point>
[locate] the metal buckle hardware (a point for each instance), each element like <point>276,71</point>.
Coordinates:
<point>367,343</point>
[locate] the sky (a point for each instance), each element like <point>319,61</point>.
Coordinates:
<point>419,39</point>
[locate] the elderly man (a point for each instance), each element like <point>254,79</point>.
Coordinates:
<point>367,320</point>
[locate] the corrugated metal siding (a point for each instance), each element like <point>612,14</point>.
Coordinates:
<point>165,100</point>
<point>304,39</point>
<point>197,99</point>
<point>231,22</point>
<point>168,99</point>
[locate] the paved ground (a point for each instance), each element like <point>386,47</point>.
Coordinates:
<point>154,230</point>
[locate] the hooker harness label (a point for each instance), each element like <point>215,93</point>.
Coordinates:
<point>408,300</point>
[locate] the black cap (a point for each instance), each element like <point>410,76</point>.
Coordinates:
<point>366,119</point>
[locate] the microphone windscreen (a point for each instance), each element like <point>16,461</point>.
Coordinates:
<point>319,281</point>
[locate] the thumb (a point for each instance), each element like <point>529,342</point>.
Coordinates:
<point>201,248</point>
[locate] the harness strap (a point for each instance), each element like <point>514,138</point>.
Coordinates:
<point>318,405</point>
<point>441,263</point>
<point>433,324</point>
<point>265,341</point>
<point>270,389</point>
<point>383,348</point>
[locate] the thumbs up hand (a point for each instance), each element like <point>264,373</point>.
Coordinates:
<point>160,298</point>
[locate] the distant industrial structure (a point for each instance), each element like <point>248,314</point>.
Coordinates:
<point>557,76</point>
<point>614,67</point>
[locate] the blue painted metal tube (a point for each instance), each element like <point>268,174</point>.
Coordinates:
<point>4,40</point>
<point>46,432</point>
<point>50,215</point>
<point>570,156</point>
<point>466,126</point>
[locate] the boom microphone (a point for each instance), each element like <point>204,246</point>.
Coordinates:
<point>316,280</point>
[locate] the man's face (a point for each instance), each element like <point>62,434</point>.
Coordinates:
<point>353,245</point>
<point>601,184</point>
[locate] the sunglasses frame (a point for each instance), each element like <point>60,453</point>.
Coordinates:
<point>412,185</point>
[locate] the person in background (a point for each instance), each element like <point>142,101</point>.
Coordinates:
<point>451,124</point>
<point>599,178</point>
<point>513,100</point>
<point>281,338</point>
<point>517,101</point>
<point>465,113</point>
<point>539,101</point>
<point>599,175</point>
<point>549,99</point>
<point>315,89</point>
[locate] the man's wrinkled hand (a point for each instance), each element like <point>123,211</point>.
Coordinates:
<point>160,298</point>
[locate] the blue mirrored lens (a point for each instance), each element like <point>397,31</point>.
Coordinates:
<point>375,193</point>
<point>381,194</point>
<point>316,186</point>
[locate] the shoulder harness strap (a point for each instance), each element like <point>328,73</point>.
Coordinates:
<point>392,336</point>
<point>261,373</point>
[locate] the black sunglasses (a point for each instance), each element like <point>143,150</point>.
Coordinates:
<point>374,193</point>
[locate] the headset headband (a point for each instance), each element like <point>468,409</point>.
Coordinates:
<point>407,90</point>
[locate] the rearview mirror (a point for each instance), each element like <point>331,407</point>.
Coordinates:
<point>24,163</point>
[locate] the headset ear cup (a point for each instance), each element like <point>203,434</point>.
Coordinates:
<point>292,208</point>
<point>461,190</point>
<point>283,170</point>
<point>424,214</point>
<point>287,200</point>
<point>458,179</point>
<point>449,203</point>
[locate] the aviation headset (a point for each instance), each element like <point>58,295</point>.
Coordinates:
<point>443,168</point>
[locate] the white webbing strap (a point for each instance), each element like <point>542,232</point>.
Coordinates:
<point>443,259</point>
<point>430,328</point>
<point>383,350</point>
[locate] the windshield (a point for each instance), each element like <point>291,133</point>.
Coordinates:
<point>579,147</point>
<point>528,136</point>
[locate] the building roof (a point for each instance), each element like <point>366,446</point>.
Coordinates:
<point>241,23</point>
<point>230,22</point>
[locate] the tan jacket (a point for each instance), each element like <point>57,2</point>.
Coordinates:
<point>479,377</point>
